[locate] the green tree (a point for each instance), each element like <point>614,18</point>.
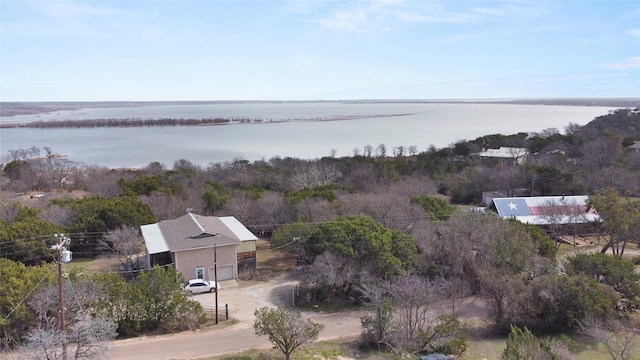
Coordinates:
<point>368,243</point>
<point>17,285</point>
<point>326,192</point>
<point>119,304</point>
<point>13,169</point>
<point>147,184</point>
<point>506,257</point>
<point>437,208</point>
<point>555,303</point>
<point>523,345</point>
<point>27,238</point>
<point>155,301</point>
<point>161,300</point>
<point>286,329</point>
<point>616,272</point>
<point>447,336</point>
<point>548,180</point>
<point>620,218</point>
<point>284,237</point>
<point>546,246</point>
<point>97,215</point>
<point>142,185</point>
<point>215,197</point>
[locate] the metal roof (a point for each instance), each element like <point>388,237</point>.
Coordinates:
<point>236,227</point>
<point>192,231</point>
<point>153,239</point>
<point>545,210</point>
<point>504,152</point>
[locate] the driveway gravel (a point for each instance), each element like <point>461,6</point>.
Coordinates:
<point>239,336</point>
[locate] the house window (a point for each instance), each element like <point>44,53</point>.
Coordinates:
<point>200,272</point>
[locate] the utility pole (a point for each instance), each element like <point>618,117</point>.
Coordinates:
<point>64,256</point>
<point>215,276</point>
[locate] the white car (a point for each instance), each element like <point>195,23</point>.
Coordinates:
<point>197,286</point>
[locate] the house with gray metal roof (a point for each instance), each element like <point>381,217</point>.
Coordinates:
<point>201,247</point>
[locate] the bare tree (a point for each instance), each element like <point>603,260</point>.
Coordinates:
<point>571,128</point>
<point>335,275</point>
<point>455,290</point>
<point>555,217</point>
<point>621,342</point>
<point>166,206</point>
<point>621,178</point>
<point>404,313</point>
<point>87,339</point>
<point>314,174</point>
<point>368,150</point>
<point>57,214</point>
<point>85,336</point>
<point>600,152</point>
<point>270,211</point>
<point>124,244</point>
<point>240,206</point>
<point>412,297</point>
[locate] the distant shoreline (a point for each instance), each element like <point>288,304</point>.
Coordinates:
<point>10,109</point>
<point>102,123</point>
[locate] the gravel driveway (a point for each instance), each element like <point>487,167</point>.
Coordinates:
<point>220,340</point>
<point>243,300</point>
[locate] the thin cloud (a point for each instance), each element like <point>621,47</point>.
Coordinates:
<point>509,9</point>
<point>66,9</point>
<point>635,32</point>
<point>458,38</point>
<point>353,19</point>
<point>59,19</point>
<point>368,17</point>
<point>629,63</point>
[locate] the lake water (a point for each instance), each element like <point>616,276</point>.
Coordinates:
<point>288,130</point>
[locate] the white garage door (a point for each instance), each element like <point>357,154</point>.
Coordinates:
<point>224,273</point>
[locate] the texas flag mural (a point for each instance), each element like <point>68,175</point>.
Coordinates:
<point>512,207</point>
<point>545,209</point>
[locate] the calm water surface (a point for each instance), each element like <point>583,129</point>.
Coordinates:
<point>302,135</point>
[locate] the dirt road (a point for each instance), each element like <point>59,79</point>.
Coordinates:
<point>243,300</point>
<point>229,339</point>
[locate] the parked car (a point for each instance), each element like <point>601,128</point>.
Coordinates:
<point>197,286</point>
<point>436,356</point>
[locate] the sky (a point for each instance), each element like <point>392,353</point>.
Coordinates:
<point>318,50</point>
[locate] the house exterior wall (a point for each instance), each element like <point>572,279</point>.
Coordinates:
<point>246,259</point>
<point>247,246</point>
<point>187,261</point>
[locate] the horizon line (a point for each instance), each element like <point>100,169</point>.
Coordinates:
<point>334,100</point>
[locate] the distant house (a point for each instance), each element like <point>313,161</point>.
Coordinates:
<point>635,147</point>
<point>545,210</point>
<point>513,154</point>
<point>188,243</point>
